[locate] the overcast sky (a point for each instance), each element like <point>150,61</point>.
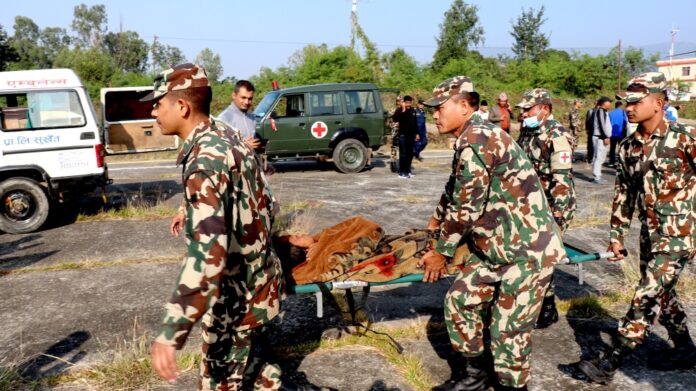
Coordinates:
<point>251,34</point>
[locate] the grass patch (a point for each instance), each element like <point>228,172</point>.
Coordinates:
<point>89,264</point>
<point>608,305</point>
<point>140,210</point>
<point>408,365</point>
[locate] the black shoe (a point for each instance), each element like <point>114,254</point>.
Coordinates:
<point>474,378</point>
<point>307,387</point>
<point>548,315</point>
<point>602,369</point>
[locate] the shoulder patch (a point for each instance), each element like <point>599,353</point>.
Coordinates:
<point>562,157</point>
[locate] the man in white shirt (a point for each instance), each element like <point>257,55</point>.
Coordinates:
<point>237,114</point>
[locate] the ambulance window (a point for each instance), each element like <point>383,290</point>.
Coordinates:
<point>40,110</point>
<point>326,103</point>
<point>289,106</point>
<point>126,106</point>
<point>360,102</point>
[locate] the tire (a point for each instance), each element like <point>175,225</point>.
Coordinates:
<point>350,155</point>
<point>24,205</point>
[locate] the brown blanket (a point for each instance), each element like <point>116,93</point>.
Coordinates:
<point>338,248</point>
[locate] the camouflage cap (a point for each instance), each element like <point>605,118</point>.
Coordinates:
<point>448,88</point>
<point>181,77</point>
<point>643,85</point>
<point>537,96</point>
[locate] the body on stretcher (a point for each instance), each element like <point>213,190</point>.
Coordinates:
<point>575,257</point>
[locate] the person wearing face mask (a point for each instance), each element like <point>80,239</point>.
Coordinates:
<point>548,146</point>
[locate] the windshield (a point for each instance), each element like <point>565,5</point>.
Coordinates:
<point>265,104</point>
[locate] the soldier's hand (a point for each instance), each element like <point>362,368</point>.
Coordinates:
<point>616,249</point>
<point>164,361</point>
<point>177,224</point>
<point>435,266</point>
<point>433,223</point>
<point>252,142</point>
<point>606,141</point>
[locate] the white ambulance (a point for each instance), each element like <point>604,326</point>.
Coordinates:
<point>53,148</point>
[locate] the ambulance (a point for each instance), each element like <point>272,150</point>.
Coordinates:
<point>53,146</point>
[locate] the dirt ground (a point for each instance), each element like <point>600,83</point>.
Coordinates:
<point>88,288</point>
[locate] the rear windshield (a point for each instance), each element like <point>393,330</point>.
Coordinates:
<point>265,104</point>
<point>126,106</point>
<point>40,110</point>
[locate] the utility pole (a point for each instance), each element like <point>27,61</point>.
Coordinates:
<point>619,89</point>
<point>671,52</point>
<point>353,24</point>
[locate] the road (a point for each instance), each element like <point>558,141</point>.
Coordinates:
<point>90,286</point>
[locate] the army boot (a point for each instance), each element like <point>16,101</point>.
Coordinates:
<point>601,369</point>
<point>682,356</point>
<point>474,378</point>
<point>549,313</point>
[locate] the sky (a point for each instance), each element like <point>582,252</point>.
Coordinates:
<point>249,35</point>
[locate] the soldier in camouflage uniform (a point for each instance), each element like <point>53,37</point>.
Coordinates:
<point>394,153</point>
<point>575,121</point>
<point>495,204</point>
<point>548,146</point>
<point>657,175</point>
<point>230,277</point>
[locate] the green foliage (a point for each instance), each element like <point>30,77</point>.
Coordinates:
<point>128,50</point>
<point>7,52</point>
<point>94,67</point>
<point>460,29</point>
<point>211,62</point>
<point>530,42</point>
<point>89,23</point>
<point>165,56</point>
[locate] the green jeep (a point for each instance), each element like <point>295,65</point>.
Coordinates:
<point>342,121</point>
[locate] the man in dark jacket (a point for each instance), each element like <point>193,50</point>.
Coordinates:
<point>405,116</point>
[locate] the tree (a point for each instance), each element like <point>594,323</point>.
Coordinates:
<point>211,62</point>
<point>128,50</point>
<point>94,67</point>
<point>459,29</point>
<point>401,70</point>
<point>165,56</point>
<point>25,44</point>
<point>90,25</point>
<point>530,42</point>
<point>53,40</point>
<point>7,52</point>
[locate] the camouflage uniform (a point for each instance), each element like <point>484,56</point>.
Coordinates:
<point>494,202</point>
<point>230,277</point>
<point>657,175</point>
<point>549,149</point>
<point>575,126</point>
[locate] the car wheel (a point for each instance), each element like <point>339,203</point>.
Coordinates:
<point>24,205</point>
<point>350,155</point>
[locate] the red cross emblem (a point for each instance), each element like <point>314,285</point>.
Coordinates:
<point>319,129</point>
<point>565,157</point>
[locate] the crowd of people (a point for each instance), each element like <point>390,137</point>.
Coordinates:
<point>509,202</point>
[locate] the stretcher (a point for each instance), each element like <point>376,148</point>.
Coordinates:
<point>574,257</point>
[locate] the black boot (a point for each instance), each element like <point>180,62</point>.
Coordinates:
<point>682,356</point>
<point>548,315</point>
<point>601,370</point>
<point>474,378</point>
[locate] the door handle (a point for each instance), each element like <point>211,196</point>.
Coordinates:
<point>337,122</point>
<point>301,124</point>
<point>147,126</point>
